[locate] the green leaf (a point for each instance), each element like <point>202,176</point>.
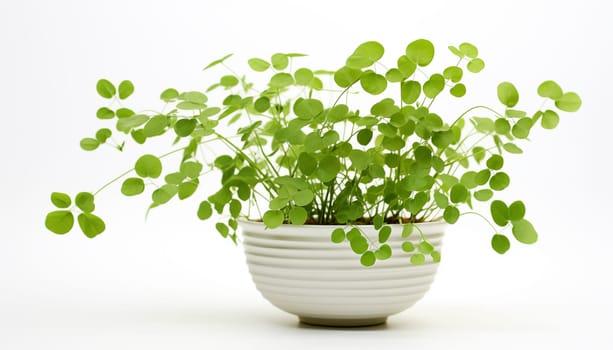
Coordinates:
<point>407,230</point>
<point>394,143</point>
<point>425,247</point>
<point>469,50</point>
<point>303,197</point>
<point>273,218</point>
<point>205,210</point>
<point>129,123</point>
<point>235,208</point>
<point>262,104</point>
<point>138,136</point>
<point>453,73</point>
<point>105,113</point>
<point>373,83</point>
<point>550,119</point>
<point>346,76</point>
<point>223,229</point>
<point>502,126</point>
<point>124,113</point>
<point>441,200</point>
<point>364,136</point>
<point>307,163</point>
<point>421,52</point>
<point>384,233</point>
<point>507,94</point>
<point>164,194</point>
<point>436,256</point>
<point>59,222</point>
<point>279,61</point>
<point>105,88</point>
<point>521,129</point>
<point>499,181</point>
<point>512,148</point>
<point>434,85</point>
<point>89,144</point>
<point>569,102</point>
<point>155,126</point>
<point>216,62</point>
<point>384,252</point>
<point>148,165</point>
<point>258,64</point>
<point>184,127</point>
<point>500,243</point>
<point>459,193</point>
<point>338,235</point>
<point>103,134</point>
<point>524,232</point>
<point>418,259</point>
<point>329,167</point>
<point>303,76</point>
<point>451,214</point>
<point>169,95</point>
<point>478,153</point>
<point>408,247</point>
<point>90,224</point>
<point>368,259</point>
<point>60,200</point>
<point>360,160</point>
<point>484,125</point>
<point>370,50</point>
<point>85,201</point>
<point>281,80</point>
<point>228,81</point>
<point>359,244</point>
<point>475,65</point>
<point>458,90</point>
<point>133,186</point>
<point>517,210</point>
<point>394,75</point>
<point>495,162</point>
<point>550,89</point>
<point>499,212</point>
<point>126,88</point>
<point>483,195</point>
<point>308,108</point>
<point>191,169</point>
<point>298,215</point>
<point>187,189</point>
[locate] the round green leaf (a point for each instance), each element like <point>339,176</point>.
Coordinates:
<point>373,83</point>
<point>425,247</point>
<point>258,64</point>
<point>410,91</point>
<point>191,169</point>
<point>223,229</point>
<point>328,168</point>
<point>418,259</point>
<point>500,243</point>
<point>85,201</point>
<point>499,212</point>
<point>89,144</point>
<point>499,181</point>
<point>408,247</point>
<point>279,61</point>
<point>451,214</point>
<point>517,210</point>
<point>360,160</point>
<point>469,50</point>
<point>368,259</point>
<point>228,81</point>
<point>459,193</point>
<point>59,222</point>
<point>103,134</point>
<point>364,136</point>
<point>453,73</point>
<point>126,88</point>
<point>303,197</point>
<point>184,127</point>
<point>90,224</point>
<point>60,200</point>
<point>502,126</point>
<point>124,113</point>
<point>105,88</point>
<point>384,252</point>
<point>303,76</point>
<point>281,80</point>
<point>105,113</point>
<point>298,215</point>
<point>495,162</point>
<point>308,108</point>
<point>148,166</point>
<point>569,102</point>
<point>169,95</point>
<point>273,218</point>
<point>550,119</point>
<point>187,189</point>
<point>307,163</point>
<point>507,94</point>
<point>524,232</point>
<point>359,244</point>
<point>475,65</point>
<point>338,235</point>
<point>406,66</point>
<point>262,104</point>
<point>458,90</point>
<point>371,50</point>
<point>346,76</point>
<point>483,195</point>
<point>421,52</point>
<point>205,210</point>
<point>133,186</point>
<point>164,194</point>
<point>155,126</point>
<point>384,233</point>
<point>550,89</point>
<point>394,75</point>
<point>521,129</point>
<point>434,85</point>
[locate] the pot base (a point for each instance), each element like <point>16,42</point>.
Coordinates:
<point>349,322</point>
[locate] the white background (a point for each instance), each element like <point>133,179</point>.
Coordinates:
<point>171,282</point>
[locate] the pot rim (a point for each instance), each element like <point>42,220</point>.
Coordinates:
<point>243,221</point>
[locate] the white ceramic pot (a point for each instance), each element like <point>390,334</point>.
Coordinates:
<point>299,270</point>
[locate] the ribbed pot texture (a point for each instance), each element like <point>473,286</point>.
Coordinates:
<point>299,270</point>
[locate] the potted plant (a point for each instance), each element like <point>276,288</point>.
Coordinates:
<point>342,181</point>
